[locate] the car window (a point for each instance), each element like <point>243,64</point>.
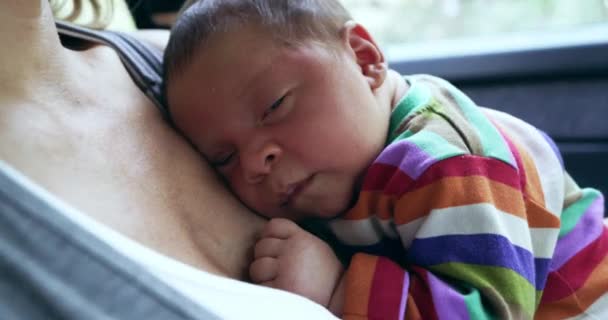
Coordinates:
<point>416,28</point>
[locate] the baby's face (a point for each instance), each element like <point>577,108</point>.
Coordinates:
<point>292,130</point>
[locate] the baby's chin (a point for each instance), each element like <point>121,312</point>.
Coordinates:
<point>324,209</point>
<point>317,213</point>
<point>335,210</point>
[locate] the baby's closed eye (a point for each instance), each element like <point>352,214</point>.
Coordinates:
<point>277,110</point>
<point>222,160</point>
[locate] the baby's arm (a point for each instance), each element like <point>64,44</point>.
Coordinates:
<point>476,245</point>
<point>289,258</point>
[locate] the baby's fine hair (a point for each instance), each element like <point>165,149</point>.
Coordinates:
<point>288,21</point>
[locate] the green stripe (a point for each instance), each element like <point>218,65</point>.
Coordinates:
<point>434,145</point>
<point>539,295</point>
<point>491,140</point>
<point>416,97</point>
<point>472,302</point>
<point>494,283</point>
<point>575,211</point>
<point>404,135</point>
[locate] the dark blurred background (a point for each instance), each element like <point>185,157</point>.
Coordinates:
<point>154,13</point>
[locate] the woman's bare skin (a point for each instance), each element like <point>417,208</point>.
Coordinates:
<point>75,123</point>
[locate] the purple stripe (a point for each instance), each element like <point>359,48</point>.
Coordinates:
<point>404,295</point>
<point>479,249</point>
<point>408,156</point>
<point>542,272</point>
<point>449,304</point>
<point>587,229</point>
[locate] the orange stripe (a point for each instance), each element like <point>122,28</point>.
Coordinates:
<point>458,191</point>
<point>358,285</point>
<point>595,286</point>
<point>540,217</point>
<point>411,309</point>
<point>533,188</point>
<point>375,203</point>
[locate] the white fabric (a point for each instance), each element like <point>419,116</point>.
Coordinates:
<point>550,171</point>
<point>227,298</point>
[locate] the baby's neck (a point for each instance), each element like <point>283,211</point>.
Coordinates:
<point>397,87</point>
<point>387,95</point>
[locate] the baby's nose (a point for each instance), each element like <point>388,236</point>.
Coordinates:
<point>259,163</point>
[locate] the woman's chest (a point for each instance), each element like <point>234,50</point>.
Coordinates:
<point>127,171</point>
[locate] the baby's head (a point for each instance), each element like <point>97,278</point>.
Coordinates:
<point>281,96</point>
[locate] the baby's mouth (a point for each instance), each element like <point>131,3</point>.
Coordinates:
<point>286,197</point>
<point>293,191</point>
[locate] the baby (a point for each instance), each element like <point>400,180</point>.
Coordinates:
<point>454,211</point>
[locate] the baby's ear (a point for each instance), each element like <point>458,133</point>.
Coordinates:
<point>368,55</point>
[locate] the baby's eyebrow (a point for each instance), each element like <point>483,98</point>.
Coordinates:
<point>254,79</point>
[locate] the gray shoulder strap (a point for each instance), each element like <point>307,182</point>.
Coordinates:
<point>142,61</point>
<point>50,268</point>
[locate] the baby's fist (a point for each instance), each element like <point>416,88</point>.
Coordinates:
<point>288,257</point>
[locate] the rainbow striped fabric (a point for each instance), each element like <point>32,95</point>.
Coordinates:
<point>468,214</point>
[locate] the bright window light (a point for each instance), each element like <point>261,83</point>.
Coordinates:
<point>413,28</point>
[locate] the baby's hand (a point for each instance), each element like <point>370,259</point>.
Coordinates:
<point>290,258</point>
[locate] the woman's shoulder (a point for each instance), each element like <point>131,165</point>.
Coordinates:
<point>157,38</point>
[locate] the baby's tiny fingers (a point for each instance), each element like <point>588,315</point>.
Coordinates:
<point>267,247</point>
<point>263,269</point>
<point>280,228</point>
